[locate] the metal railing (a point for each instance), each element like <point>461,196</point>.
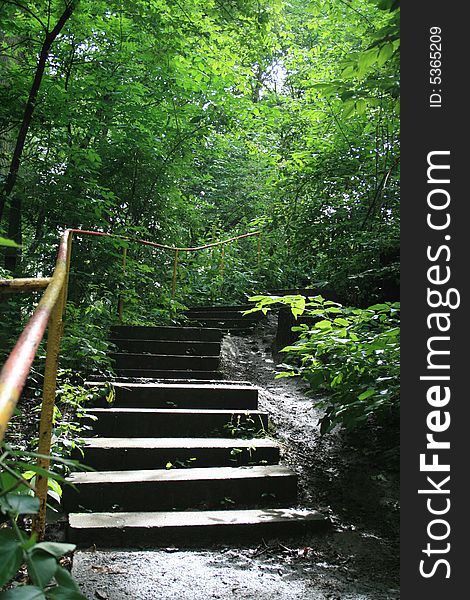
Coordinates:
<point>49,314</point>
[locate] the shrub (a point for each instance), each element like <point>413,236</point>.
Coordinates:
<point>351,353</point>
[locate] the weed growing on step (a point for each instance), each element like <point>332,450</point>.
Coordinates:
<point>245,427</point>
<point>70,423</point>
<point>227,502</point>
<point>181,464</point>
<point>246,456</point>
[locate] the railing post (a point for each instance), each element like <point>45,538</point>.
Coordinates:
<point>54,336</point>
<point>173,280</point>
<point>222,261</point>
<point>121,299</point>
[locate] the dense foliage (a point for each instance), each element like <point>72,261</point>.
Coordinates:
<point>353,354</point>
<point>184,122</point>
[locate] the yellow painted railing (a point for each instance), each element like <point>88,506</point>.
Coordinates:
<point>49,314</point>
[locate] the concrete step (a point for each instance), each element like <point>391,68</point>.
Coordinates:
<point>222,315</point>
<point>103,454</point>
<point>182,348</point>
<point>189,528</point>
<point>226,324</point>
<point>162,489</point>
<point>203,334</point>
<point>101,379</point>
<point>161,422</point>
<point>164,361</point>
<point>167,374</point>
<point>215,309</point>
<point>184,395</point>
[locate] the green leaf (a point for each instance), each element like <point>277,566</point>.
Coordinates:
<point>385,53</point>
<point>65,579</point>
<point>56,549</point>
<point>324,324</point>
<point>36,470</point>
<point>41,566</point>
<point>349,109</point>
<point>367,59</point>
<point>19,504</point>
<point>65,593</point>
<point>11,555</point>
<point>55,487</point>
<point>361,106</point>
<point>8,481</point>
<point>24,592</point>
<point>9,243</point>
<point>366,394</point>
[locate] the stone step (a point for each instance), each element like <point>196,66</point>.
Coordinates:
<point>167,374</point>
<point>182,348</point>
<point>238,324</point>
<point>162,489</point>
<point>202,334</point>
<point>161,422</point>
<point>184,395</point>
<point>238,308</point>
<point>102,379</point>
<point>189,528</point>
<point>156,453</point>
<point>164,361</point>
<point>222,315</point>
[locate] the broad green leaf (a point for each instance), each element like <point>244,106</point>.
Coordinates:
<point>379,307</point>
<point>385,53</point>
<point>367,59</point>
<point>366,394</point>
<point>9,243</point>
<point>19,504</point>
<point>65,579</point>
<point>56,549</point>
<point>37,470</point>
<point>65,593</point>
<point>54,486</point>
<point>11,555</point>
<point>324,324</point>
<point>8,481</point>
<point>349,109</point>
<point>360,106</point>
<point>23,592</point>
<point>41,566</point>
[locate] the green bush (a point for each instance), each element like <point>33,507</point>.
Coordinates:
<point>47,578</point>
<point>351,353</point>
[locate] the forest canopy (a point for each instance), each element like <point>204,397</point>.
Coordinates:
<point>184,122</point>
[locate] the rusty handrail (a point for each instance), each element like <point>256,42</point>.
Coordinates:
<point>165,246</point>
<point>16,369</point>
<point>49,313</point>
<point>176,249</point>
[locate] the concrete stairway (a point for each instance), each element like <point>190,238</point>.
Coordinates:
<point>179,457</point>
<point>167,352</point>
<point>227,318</point>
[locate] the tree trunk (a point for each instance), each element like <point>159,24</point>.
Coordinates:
<point>14,220</point>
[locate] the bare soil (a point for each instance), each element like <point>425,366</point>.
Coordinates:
<point>353,478</point>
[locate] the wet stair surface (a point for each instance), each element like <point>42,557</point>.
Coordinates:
<point>179,457</point>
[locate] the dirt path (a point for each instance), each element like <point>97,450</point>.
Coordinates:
<point>346,477</point>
